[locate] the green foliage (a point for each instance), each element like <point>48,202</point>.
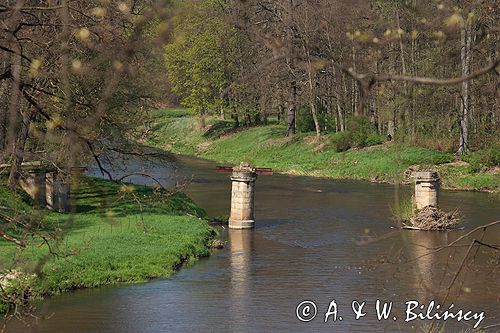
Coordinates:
<point>360,135</point>
<point>203,54</point>
<point>342,141</point>
<point>305,121</point>
<point>360,129</point>
<point>374,139</point>
<point>3,307</point>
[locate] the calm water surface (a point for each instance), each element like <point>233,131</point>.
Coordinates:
<point>315,239</point>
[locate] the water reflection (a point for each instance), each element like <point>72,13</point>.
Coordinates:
<point>437,271</point>
<point>139,169</point>
<point>241,248</point>
<point>427,263</point>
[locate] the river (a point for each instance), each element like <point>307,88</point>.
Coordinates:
<point>315,239</point>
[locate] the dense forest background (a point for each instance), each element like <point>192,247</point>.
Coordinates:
<point>80,77</point>
<point>328,66</point>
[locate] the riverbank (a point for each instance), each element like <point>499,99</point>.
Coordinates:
<point>118,234</point>
<point>305,154</point>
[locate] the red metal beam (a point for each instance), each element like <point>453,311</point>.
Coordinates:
<point>264,171</point>
<point>223,169</point>
<point>260,171</point>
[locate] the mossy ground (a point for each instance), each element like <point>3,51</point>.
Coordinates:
<point>304,154</point>
<point>118,234</point>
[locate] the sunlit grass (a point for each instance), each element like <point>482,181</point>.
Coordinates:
<point>112,238</point>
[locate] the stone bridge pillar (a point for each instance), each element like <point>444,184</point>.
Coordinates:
<point>242,197</point>
<point>426,189</point>
<point>58,193</point>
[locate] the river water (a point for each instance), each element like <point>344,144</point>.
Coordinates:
<point>315,239</point>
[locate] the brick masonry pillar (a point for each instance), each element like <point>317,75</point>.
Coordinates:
<point>242,197</point>
<point>426,189</point>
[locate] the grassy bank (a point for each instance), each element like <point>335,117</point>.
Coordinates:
<point>113,237</point>
<point>304,154</point>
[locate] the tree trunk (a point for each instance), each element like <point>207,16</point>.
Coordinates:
<point>3,116</point>
<point>341,118</point>
<point>222,113</point>
<point>280,112</point>
<point>18,153</point>
<point>315,118</point>
<point>291,110</point>
<point>291,114</point>
<point>312,102</point>
<point>14,98</point>
<point>354,90</point>
<point>373,113</point>
<point>344,112</point>
<point>465,57</point>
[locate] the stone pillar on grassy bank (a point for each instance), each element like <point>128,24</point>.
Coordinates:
<point>426,189</point>
<point>58,192</point>
<point>242,197</point>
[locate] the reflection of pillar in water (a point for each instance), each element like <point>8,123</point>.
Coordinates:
<point>426,189</point>
<point>241,244</point>
<point>427,273</point>
<point>242,197</point>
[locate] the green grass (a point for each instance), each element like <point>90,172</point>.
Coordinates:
<point>110,239</point>
<point>303,154</point>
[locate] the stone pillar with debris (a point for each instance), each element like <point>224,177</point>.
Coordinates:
<point>242,197</point>
<point>426,189</point>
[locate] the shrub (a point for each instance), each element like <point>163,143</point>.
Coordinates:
<point>374,139</point>
<point>342,141</point>
<point>363,133</point>
<point>3,307</point>
<point>305,121</point>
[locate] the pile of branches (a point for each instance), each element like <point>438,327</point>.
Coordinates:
<point>432,218</point>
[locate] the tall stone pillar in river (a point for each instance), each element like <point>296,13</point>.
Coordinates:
<point>242,197</point>
<point>426,189</point>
